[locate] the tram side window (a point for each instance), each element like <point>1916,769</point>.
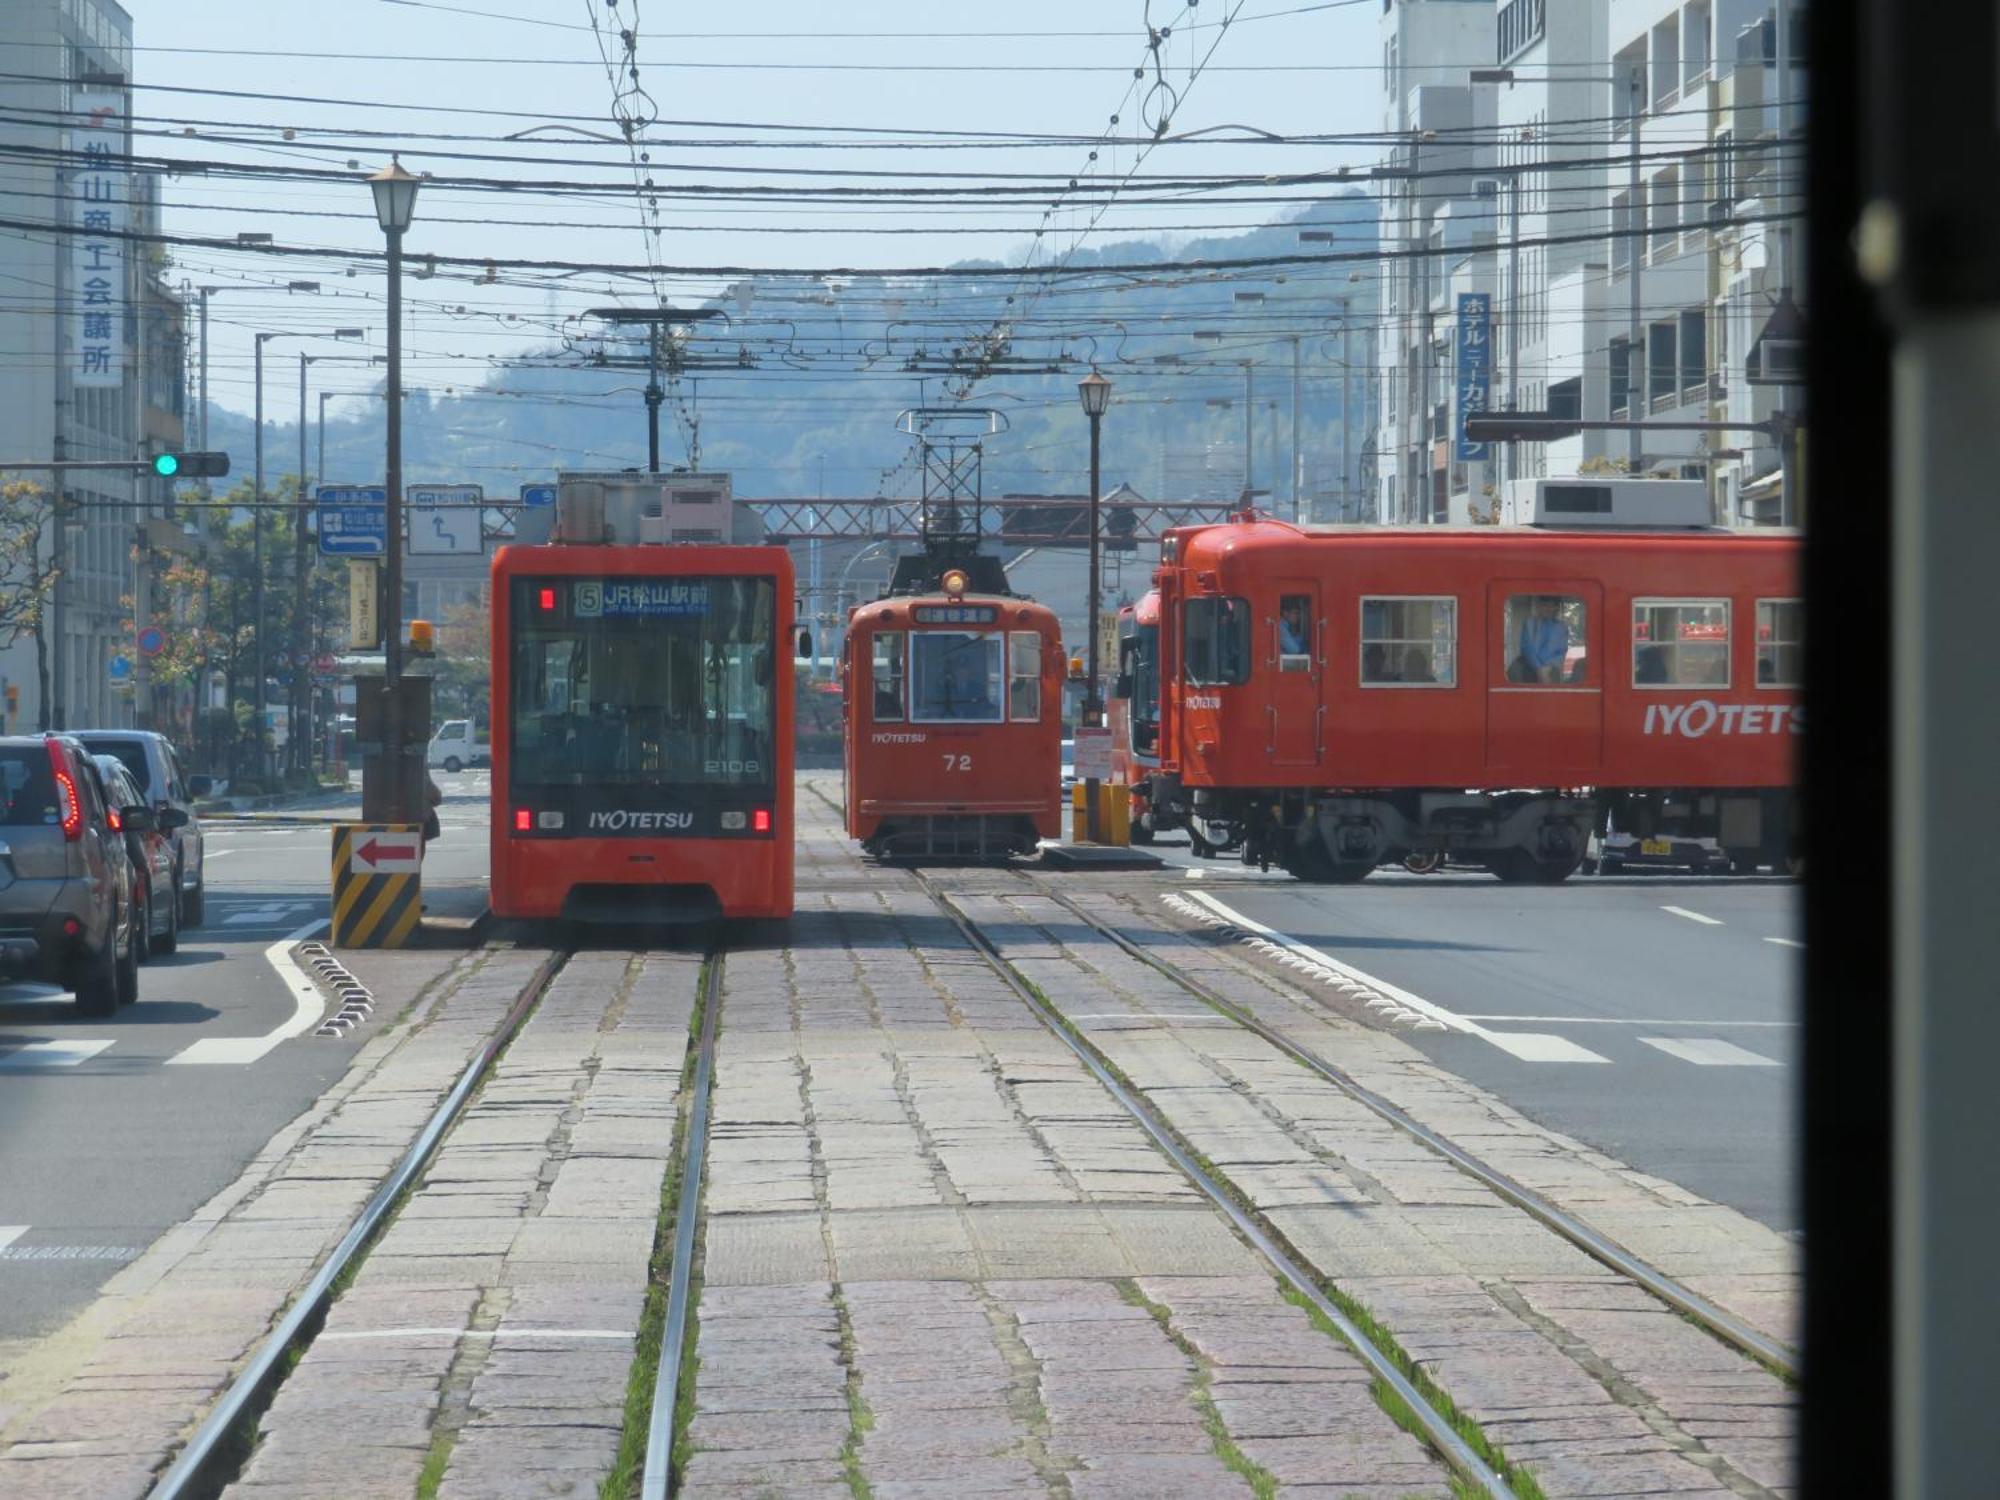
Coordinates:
<point>1295,630</point>
<point>1680,643</point>
<point>1780,642</point>
<point>955,675</point>
<point>1024,676</point>
<point>886,668</point>
<point>1546,637</point>
<point>1216,640</point>
<point>1409,642</point>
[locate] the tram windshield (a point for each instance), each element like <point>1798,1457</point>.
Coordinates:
<point>955,675</point>
<point>623,681</point>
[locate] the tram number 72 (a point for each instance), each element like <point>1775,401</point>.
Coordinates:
<point>956,762</point>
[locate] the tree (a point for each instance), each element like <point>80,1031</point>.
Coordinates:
<point>26,579</point>
<point>462,685</point>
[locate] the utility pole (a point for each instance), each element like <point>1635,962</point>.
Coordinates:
<point>257,565</point>
<point>1420,474</point>
<point>1636,363</point>
<point>1249,434</point>
<point>1349,511</point>
<point>1513,314</point>
<point>1298,501</point>
<point>297,739</point>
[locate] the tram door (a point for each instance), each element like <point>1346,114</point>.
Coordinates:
<point>1294,656</point>
<point>1545,666</point>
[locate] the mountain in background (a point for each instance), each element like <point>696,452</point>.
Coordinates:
<point>1174,430</point>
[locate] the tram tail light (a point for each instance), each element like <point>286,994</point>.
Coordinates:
<point>760,820</point>
<point>548,598</point>
<point>524,820</point>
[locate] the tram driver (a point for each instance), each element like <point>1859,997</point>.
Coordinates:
<point>1544,642</point>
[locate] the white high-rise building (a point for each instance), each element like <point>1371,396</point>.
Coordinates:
<point>91,349</point>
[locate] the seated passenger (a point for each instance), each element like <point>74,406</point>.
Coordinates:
<point>1417,665</point>
<point>1651,666</point>
<point>1375,665</point>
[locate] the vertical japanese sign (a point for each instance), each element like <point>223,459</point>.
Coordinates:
<point>1475,367</point>
<point>98,199</point>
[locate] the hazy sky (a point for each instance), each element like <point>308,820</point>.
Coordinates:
<point>407,74</point>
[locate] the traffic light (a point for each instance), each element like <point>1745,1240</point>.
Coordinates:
<point>190,465</point>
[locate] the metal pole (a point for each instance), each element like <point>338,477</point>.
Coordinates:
<point>297,738</point>
<point>1636,363</point>
<point>319,468</point>
<point>1513,318</point>
<point>1787,502</point>
<point>1349,510</point>
<point>1249,440</point>
<point>257,566</point>
<point>1421,511</point>
<point>1093,705</point>
<point>392,602</point>
<point>202,420</point>
<point>654,395</point>
<point>1298,476</point>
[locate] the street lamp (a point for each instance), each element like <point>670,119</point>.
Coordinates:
<point>395,193</point>
<point>1094,391</point>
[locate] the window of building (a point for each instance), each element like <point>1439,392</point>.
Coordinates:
<point>1666,62</point>
<point>1545,637</point>
<point>1665,217</point>
<point>1694,354</point>
<point>1566,398</point>
<point>1409,642</point>
<point>1722,176</point>
<point>1619,374</point>
<point>1694,193</point>
<point>954,676</point>
<point>1295,632</point>
<point>1024,675</point>
<point>1780,642</point>
<point>1662,363</point>
<point>1680,643</point>
<point>886,671</point>
<point>1624,239</point>
<point>1215,640</point>
<point>1695,47</point>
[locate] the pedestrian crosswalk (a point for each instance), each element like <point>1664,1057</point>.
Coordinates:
<point>66,1053</point>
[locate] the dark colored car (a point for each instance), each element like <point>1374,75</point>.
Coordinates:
<point>154,890</point>
<point>67,916</point>
<point>156,768</point>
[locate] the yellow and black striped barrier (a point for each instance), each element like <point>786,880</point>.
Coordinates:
<point>377,884</point>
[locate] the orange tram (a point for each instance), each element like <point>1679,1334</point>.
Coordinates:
<point>642,753</point>
<point>1331,699</point>
<point>952,719</point>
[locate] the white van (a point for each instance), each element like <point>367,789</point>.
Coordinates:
<point>455,746</point>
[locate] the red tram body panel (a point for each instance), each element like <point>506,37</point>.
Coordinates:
<point>643,732</point>
<point>1331,698</point>
<point>953,725</point>
<point>1134,716</point>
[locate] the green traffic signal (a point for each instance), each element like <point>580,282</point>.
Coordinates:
<point>190,465</point>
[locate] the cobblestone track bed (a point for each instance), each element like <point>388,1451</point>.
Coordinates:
<point>1593,1384</point>
<point>100,1408</point>
<point>929,1235</point>
<point>494,1321</point>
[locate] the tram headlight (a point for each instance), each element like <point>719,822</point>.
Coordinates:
<point>734,820</point>
<point>954,582</point>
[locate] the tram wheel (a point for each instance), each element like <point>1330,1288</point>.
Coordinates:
<point>1519,867</point>
<point>1423,861</point>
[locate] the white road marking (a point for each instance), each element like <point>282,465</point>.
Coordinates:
<point>1785,942</point>
<point>10,1233</point>
<point>1708,1052</point>
<point>1527,1045</point>
<point>480,1333</point>
<point>64,1054</point>
<point>70,1252</point>
<point>264,914</point>
<point>1622,1021</point>
<point>1693,916</point>
<point>307,1006</point>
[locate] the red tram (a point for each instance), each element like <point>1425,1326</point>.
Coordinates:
<point>953,716</point>
<point>1134,717</point>
<point>642,747</point>
<point>1335,698</point>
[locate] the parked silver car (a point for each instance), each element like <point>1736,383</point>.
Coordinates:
<point>67,915</point>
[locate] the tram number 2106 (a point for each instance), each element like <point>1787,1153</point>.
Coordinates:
<point>956,762</point>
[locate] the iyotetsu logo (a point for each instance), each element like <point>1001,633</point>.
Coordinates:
<point>621,820</point>
<point>1704,716</point>
<point>889,737</point>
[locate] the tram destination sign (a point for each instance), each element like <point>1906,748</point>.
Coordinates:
<point>955,614</point>
<point>637,599</point>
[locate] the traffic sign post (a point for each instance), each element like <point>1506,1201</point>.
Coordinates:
<point>152,641</point>
<point>353,520</point>
<point>535,496</point>
<point>444,520</point>
<point>120,668</point>
<point>377,884</point>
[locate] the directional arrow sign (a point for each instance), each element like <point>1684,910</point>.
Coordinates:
<point>388,854</point>
<point>353,520</point>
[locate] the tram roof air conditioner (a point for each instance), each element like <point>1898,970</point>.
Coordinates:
<point>1612,503</point>
<point>603,509</point>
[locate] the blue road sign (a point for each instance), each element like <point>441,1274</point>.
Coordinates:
<point>121,668</point>
<point>353,520</point>
<point>538,494</point>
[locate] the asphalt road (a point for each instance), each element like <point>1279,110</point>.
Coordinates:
<point>108,1141</point>
<point>1654,1017</point>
